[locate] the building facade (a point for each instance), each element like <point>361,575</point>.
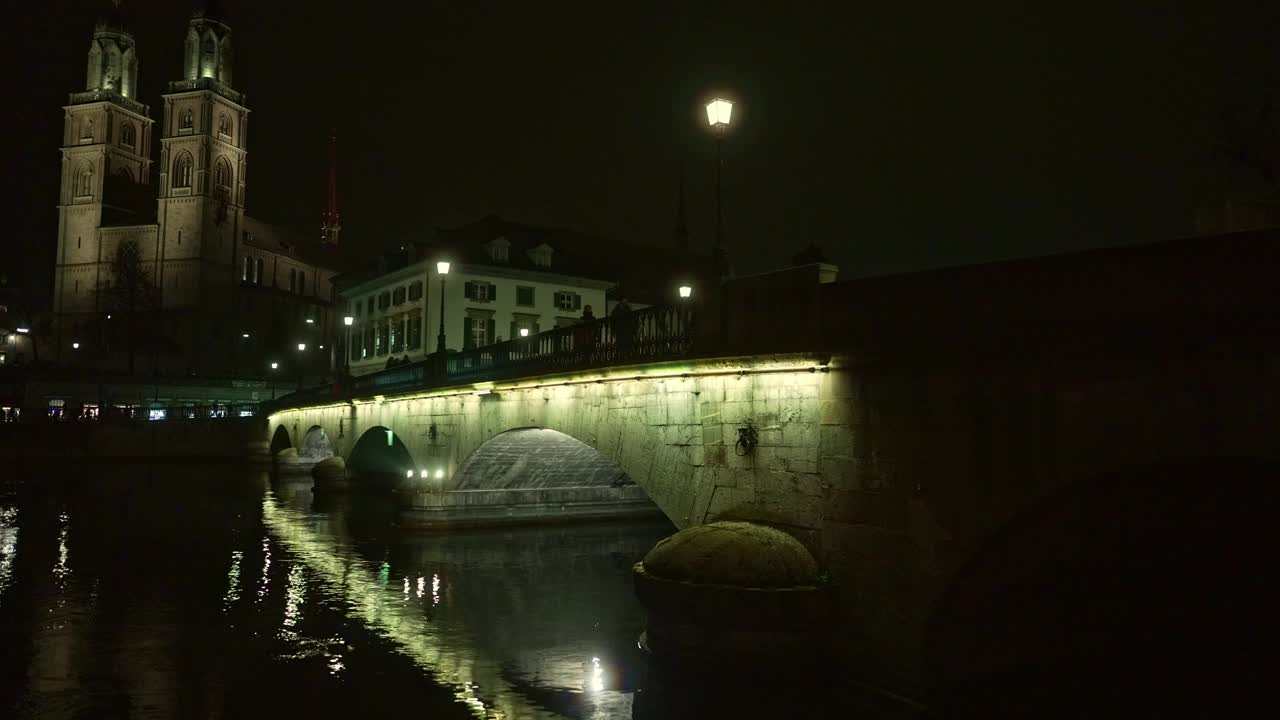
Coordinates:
<point>503,279</point>
<point>226,293</point>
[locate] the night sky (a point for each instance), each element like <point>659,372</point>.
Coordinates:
<point>897,136</point>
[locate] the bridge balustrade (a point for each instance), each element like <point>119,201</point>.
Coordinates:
<point>648,335</point>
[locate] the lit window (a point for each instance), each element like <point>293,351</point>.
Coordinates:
<point>479,333</point>
<point>156,414</point>
<point>568,301</point>
<point>244,273</point>
<point>221,174</point>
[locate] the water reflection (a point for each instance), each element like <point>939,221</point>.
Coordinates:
<point>209,592</point>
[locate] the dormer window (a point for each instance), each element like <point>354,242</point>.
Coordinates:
<point>541,255</point>
<point>499,249</point>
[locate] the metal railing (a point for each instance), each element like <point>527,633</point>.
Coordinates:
<point>648,335</point>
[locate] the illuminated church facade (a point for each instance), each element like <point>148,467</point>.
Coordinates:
<point>234,294</point>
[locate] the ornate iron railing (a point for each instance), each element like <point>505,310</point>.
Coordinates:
<point>654,333</point>
<point>648,335</point>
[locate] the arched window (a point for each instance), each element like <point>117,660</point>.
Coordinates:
<point>86,130</point>
<point>221,174</point>
<point>182,171</point>
<point>84,182</point>
<point>188,119</point>
<point>127,137</point>
<point>224,124</point>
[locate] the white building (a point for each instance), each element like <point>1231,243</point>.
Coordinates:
<point>503,278</point>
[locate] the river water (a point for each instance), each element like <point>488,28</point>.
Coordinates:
<point>173,591</point>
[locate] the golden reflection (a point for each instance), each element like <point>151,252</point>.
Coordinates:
<point>8,546</point>
<point>294,595</point>
<point>233,581</point>
<point>454,660</point>
<point>266,568</point>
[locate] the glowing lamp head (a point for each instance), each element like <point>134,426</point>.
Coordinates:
<point>439,474</point>
<point>75,346</point>
<point>244,335</point>
<point>23,331</point>
<point>442,267</point>
<point>302,347</point>
<point>348,321</point>
<point>524,332</point>
<point>275,366</point>
<point>311,321</point>
<point>685,291</point>
<point>719,112</point>
<point>422,474</point>
<point>409,474</point>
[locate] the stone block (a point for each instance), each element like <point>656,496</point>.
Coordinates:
<point>838,412</point>
<point>835,441</point>
<point>885,509</point>
<point>715,456</point>
<point>800,434</point>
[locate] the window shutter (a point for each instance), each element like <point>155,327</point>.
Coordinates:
<point>489,336</point>
<point>467,292</point>
<point>577,301</point>
<point>466,332</point>
<point>493,293</point>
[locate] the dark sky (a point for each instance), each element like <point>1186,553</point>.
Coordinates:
<point>896,135</point>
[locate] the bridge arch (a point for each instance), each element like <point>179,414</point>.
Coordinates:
<point>1140,586</point>
<point>315,445</point>
<point>380,456</point>
<point>280,439</point>
<point>536,457</point>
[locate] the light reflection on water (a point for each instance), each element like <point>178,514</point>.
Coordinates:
<point>237,598</point>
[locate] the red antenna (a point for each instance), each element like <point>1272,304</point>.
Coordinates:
<point>332,220</point>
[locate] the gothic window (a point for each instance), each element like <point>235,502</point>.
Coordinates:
<point>224,124</point>
<point>222,174</point>
<point>188,120</point>
<point>182,171</point>
<point>244,274</point>
<point>127,138</point>
<point>84,182</point>
<point>86,130</point>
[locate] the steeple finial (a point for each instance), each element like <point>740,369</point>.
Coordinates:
<point>682,226</point>
<point>332,223</point>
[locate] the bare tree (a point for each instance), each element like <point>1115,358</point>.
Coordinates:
<point>132,294</point>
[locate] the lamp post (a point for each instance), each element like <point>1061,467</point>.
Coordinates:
<point>274,366</point>
<point>719,113</point>
<point>442,267</point>
<point>347,322</point>
<point>302,348</point>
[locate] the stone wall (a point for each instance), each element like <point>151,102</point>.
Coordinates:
<point>894,472</point>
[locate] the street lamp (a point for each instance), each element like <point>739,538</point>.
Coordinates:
<point>75,346</point>
<point>719,112</point>
<point>524,332</point>
<point>302,347</point>
<point>442,267</point>
<point>345,347</point>
<point>685,291</point>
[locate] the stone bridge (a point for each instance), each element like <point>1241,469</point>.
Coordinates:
<point>963,445</point>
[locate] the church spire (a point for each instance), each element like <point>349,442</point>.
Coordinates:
<point>113,62</point>
<point>681,234</point>
<point>332,222</point>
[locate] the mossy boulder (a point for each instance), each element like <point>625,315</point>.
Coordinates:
<point>737,554</point>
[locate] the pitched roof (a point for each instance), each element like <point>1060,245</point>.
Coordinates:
<point>639,271</point>
<point>278,239</point>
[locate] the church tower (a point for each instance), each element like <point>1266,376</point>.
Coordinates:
<point>202,167</point>
<point>106,169</point>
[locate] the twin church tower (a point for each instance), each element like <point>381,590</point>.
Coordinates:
<point>223,278</point>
